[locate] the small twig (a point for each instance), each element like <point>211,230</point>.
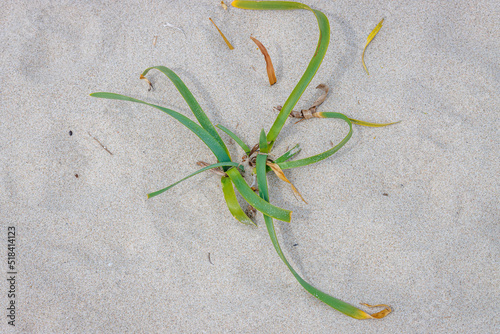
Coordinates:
<point>97,140</point>
<point>209,259</point>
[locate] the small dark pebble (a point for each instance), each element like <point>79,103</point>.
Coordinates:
<point>70,133</point>
<point>295,245</point>
<point>76,175</point>
<point>385,194</point>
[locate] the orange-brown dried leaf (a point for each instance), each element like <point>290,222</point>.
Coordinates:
<point>142,77</point>
<point>224,37</point>
<point>279,173</point>
<point>269,63</point>
<point>379,315</point>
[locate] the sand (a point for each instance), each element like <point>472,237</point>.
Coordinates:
<point>405,215</point>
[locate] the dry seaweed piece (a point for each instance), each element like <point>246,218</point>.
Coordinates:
<point>269,63</point>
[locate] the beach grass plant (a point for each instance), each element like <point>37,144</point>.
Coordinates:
<point>260,155</point>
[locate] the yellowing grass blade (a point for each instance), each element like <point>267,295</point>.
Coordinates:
<point>373,125</point>
<point>269,63</point>
<point>279,173</point>
<point>368,40</point>
<point>258,203</point>
<point>232,202</point>
<point>224,37</point>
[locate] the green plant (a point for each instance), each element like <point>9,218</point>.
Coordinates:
<point>231,170</point>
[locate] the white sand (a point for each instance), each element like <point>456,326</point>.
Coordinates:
<point>94,255</point>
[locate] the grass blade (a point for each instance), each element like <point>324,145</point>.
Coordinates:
<point>326,154</point>
<point>264,148</point>
<point>289,154</point>
<point>269,64</point>
<point>235,138</point>
<point>224,37</point>
<point>191,101</point>
<point>219,164</point>
<point>373,125</point>
<point>219,151</point>
<point>368,40</point>
<point>232,202</point>
<point>312,68</point>
<point>337,304</point>
<point>258,203</point>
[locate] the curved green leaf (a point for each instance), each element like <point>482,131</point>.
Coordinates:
<point>203,134</point>
<point>232,202</point>
<point>315,158</point>
<point>191,101</point>
<point>235,138</point>
<point>312,68</point>
<point>258,203</point>
<point>219,164</point>
<point>337,304</point>
<point>289,154</point>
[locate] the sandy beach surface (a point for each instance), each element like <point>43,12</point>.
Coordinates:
<point>406,215</point>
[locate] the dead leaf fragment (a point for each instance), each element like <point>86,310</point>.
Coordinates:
<point>269,63</point>
<point>368,40</point>
<point>379,315</point>
<point>142,77</point>
<point>279,173</point>
<point>224,37</point>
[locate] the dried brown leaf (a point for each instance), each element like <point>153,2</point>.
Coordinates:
<point>142,77</point>
<point>279,173</point>
<point>269,63</point>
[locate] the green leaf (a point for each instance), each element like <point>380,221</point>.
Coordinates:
<point>219,164</point>
<point>232,202</point>
<point>191,101</point>
<point>337,304</point>
<point>235,138</point>
<point>263,142</point>
<point>315,158</point>
<point>289,154</point>
<point>219,151</point>
<point>312,68</point>
<point>258,203</point>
